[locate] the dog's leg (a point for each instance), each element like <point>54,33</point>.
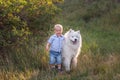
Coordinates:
<point>67,64</point>
<point>74,62</point>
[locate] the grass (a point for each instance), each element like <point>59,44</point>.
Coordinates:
<point>99,58</point>
<point>90,67</point>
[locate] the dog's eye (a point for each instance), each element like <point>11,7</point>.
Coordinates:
<point>77,37</point>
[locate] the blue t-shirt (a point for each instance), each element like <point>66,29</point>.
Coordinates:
<point>56,42</point>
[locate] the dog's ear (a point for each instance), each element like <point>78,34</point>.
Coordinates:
<point>71,30</point>
<point>78,31</point>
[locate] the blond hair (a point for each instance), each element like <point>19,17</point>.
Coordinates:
<point>58,25</point>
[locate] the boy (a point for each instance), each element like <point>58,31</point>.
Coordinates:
<point>54,47</point>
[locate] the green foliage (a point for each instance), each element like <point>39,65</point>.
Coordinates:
<point>20,18</point>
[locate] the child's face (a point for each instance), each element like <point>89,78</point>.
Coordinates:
<point>58,31</point>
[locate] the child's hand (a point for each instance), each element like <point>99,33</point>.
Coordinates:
<point>47,47</point>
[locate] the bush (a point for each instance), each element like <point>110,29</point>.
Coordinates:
<point>20,18</point>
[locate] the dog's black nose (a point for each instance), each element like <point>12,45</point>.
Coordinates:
<point>75,39</point>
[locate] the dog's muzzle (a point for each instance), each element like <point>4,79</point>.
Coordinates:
<point>75,41</point>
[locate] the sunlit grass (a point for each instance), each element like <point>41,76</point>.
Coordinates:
<point>17,75</point>
<point>89,67</point>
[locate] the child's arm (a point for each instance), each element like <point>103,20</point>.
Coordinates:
<point>47,46</point>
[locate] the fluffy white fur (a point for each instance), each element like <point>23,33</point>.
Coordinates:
<point>71,49</point>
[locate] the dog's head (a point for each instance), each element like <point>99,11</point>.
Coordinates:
<point>74,36</point>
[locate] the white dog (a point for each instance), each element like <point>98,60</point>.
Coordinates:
<point>71,49</point>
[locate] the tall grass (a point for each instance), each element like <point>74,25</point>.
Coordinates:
<point>24,60</point>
